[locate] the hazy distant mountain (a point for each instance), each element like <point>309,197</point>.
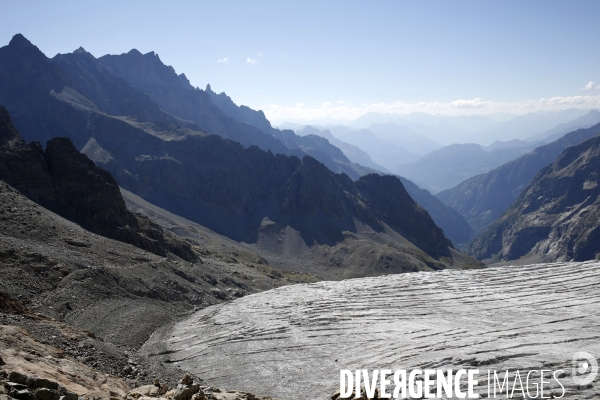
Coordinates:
<point>469,123</point>
<point>585,121</point>
<point>478,129</point>
<point>483,198</point>
<point>354,153</point>
<point>556,217</point>
<point>382,152</point>
<point>439,128</point>
<point>447,167</point>
<point>405,137</point>
<point>511,144</point>
<point>528,125</point>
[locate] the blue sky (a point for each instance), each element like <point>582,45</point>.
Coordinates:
<point>339,59</point>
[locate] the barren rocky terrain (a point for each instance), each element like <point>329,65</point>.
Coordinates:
<point>291,342</point>
<point>116,292</point>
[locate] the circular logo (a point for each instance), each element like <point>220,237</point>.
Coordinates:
<point>585,368</point>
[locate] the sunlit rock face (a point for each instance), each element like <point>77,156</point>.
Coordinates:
<point>291,342</point>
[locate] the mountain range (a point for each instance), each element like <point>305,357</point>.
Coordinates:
<point>284,203</point>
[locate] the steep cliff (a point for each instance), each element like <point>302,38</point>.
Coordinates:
<point>557,215</point>
<point>67,182</point>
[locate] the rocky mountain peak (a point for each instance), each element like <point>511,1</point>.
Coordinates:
<point>134,53</point>
<point>20,41</point>
<point>152,55</point>
<point>80,50</point>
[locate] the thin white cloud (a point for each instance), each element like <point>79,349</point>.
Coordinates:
<point>251,61</point>
<point>223,60</point>
<point>591,85</point>
<point>475,103</point>
<point>478,106</point>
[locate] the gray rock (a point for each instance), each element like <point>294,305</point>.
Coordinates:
<point>185,392</point>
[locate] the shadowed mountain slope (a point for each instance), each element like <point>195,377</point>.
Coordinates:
<point>455,226</point>
<point>557,215</point>
<point>68,183</point>
<point>483,198</point>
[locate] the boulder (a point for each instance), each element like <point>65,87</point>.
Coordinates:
<point>66,395</point>
<point>144,391</point>
<point>24,394</point>
<point>162,387</point>
<point>185,392</point>
<point>35,383</point>
<point>17,377</point>
<point>47,394</point>
<point>186,380</point>
<point>15,386</point>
